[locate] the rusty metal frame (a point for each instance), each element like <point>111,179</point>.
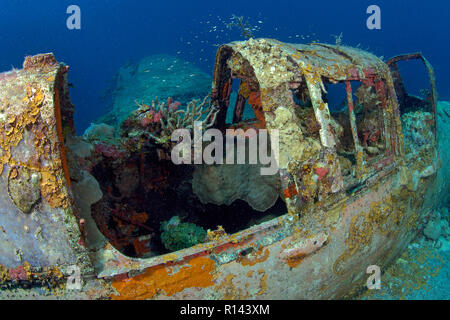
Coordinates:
<point>431,77</point>
<point>298,248</point>
<point>36,111</point>
<point>386,158</point>
<point>298,245</point>
<point>358,148</point>
<point>121,266</point>
<point>372,70</point>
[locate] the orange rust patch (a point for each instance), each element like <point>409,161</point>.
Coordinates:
<point>228,286</point>
<point>159,280</point>
<point>295,261</point>
<point>214,235</point>
<point>244,90</point>
<point>263,285</point>
<point>230,291</point>
<point>14,173</point>
<point>290,192</point>
<point>52,190</point>
<point>255,99</point>
<point>225,89</point>
<point>260,256</point>
<point>52,187</point>
<point>60,135</point>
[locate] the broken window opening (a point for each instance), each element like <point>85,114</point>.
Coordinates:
<point>367,135</point>
<point>304,110</point>
<point>245,105</point>
<point>369,119</point>
<point>340,121</point>
<point>415,99</point>
<point>412,86</point>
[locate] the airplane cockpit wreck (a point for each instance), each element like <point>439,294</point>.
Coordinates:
<point>357,172</point>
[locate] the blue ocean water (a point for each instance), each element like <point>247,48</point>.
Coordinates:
<point>116,31</point>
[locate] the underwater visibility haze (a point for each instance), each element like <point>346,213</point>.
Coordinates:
<point>224,150</point>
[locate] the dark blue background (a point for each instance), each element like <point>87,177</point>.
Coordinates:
<point>114,31</point>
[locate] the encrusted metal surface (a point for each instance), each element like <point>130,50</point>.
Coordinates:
<point>37,224</point>
<point>319,250</point>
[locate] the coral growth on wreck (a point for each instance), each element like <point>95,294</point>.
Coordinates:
<point>179,235</point>
<point>417,130</point>
<point>160,119</point>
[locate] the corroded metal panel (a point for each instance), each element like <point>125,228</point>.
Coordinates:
<point>273,69</point>
<point>319,250</point>
<point>37,223</point>
<point>325,261</point>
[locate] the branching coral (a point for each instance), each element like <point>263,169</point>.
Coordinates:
<point>164,118</point>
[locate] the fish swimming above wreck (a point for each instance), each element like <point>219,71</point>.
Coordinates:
<point>354,182</point>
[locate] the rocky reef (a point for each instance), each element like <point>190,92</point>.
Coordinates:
<point>422,271</point>
<point>443,129</point>
<point>161,76</point>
